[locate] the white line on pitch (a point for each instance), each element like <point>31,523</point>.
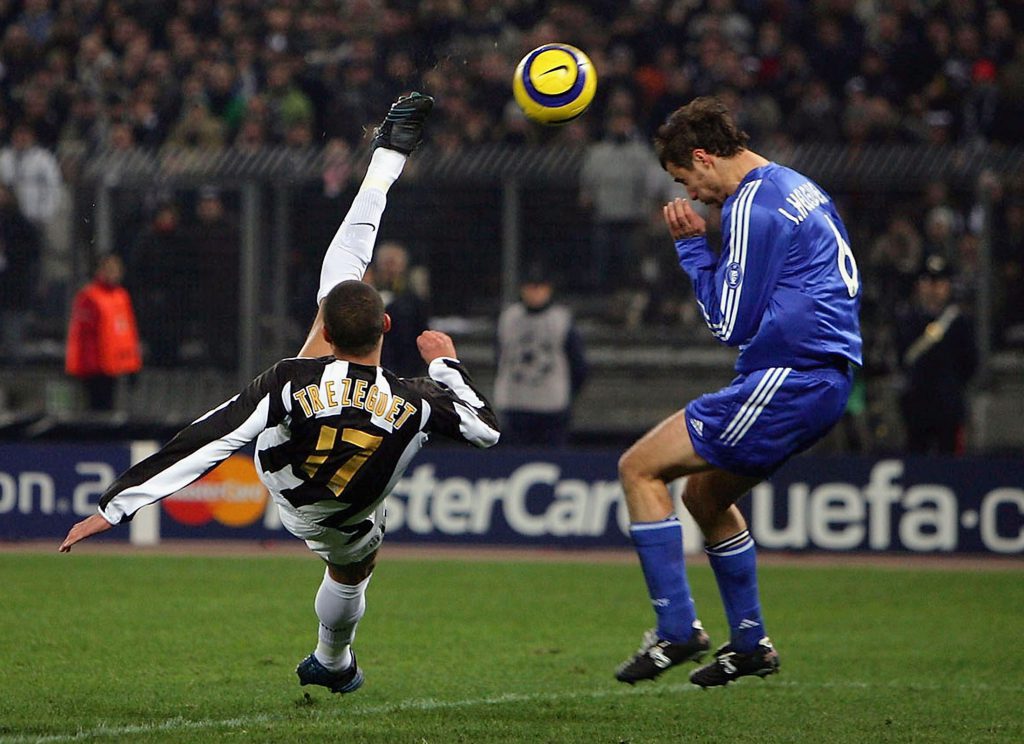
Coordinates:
<point>183,724</point>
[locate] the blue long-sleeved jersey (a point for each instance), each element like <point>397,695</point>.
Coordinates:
<point>785,288</point>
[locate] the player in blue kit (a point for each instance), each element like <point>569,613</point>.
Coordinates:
<point>786,291</point>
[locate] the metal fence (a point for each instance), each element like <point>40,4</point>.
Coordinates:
<point>234,292</point>
<point>472,218</point>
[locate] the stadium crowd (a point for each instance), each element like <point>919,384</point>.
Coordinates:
<point>83,76</point>
<point>202,73</point>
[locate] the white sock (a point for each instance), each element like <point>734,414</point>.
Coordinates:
<point>339,608</point>
<point>384,169</point>
<point>351,250</point>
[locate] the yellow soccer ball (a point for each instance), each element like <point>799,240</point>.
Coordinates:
<point>554,84</point>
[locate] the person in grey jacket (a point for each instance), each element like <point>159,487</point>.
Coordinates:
<point>541,365</point>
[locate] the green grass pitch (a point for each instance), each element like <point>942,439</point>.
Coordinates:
<point>146,648</point>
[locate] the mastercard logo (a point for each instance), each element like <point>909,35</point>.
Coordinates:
<point>231,494</point>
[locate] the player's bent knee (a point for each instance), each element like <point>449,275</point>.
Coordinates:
<point>631,468</point>
<point>353,573</point>
<point>624,466</point>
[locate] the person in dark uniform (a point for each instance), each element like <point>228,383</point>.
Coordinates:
<point>938,357</point>
<point>334,430</point>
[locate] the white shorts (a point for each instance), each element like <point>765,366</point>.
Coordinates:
<point>338,546</point>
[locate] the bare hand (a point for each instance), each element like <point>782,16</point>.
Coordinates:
<point>434,344</point>
<point>86,528</point>
<point>682,221</point>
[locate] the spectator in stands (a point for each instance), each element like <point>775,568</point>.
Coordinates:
<point>299,136</point>
<point>286,101</point>
<point>19,266</point>
<point>1009,253</point>
<point>938,357</point>
<point>895,261</point>
<point>225,96</point>
<point>197,128</point>
<point>959,65</point>
<point>541,365</point>
<point>103,341</point>
<point>816,115</point>
<point>615,184</point>
<point>87,125</point>
<point>940,233</point>
<point>407,306</point>
<point>19,55</point>
<point>337,167</point>
<point>93,62</point>
<point>32,173</point>
<point>162,273</point>
<point>664,294</point>
<point>1010,102</point>
<point>213,234</point>
<point>37,18</point>
<point>41,112</point>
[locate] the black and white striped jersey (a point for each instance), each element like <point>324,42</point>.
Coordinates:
<point>333,437</point>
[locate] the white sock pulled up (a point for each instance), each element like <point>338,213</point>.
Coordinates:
<point>339,608</point>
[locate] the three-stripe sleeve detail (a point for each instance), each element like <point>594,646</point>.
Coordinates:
<point>739,235</point>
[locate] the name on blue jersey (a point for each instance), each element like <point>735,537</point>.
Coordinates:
<point>804,199</point>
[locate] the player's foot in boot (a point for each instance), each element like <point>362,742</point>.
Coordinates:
<point>656,655</point>
<point>312,672</point>
<point>730,664</point>
<point>402,128</point>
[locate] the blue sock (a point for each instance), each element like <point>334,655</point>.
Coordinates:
<point>735,564</point>
<point>660,547</point>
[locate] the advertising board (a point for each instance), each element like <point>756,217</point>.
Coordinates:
<point>564,498</point>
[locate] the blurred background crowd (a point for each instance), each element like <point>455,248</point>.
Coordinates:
<point>84,77</point>
<point>247,73</point>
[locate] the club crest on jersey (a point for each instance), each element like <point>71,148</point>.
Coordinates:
<point>733,275</point>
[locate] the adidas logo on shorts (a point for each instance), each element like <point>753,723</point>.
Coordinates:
<point>697,425</point>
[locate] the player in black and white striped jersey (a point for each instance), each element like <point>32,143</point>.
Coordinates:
<point>334,431</point>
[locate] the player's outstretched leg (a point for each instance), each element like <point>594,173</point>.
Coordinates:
<point>351,249</point>
<point>394,139</point>
<point>730,664</point>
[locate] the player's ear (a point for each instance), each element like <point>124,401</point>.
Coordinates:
<point>326,335</point>
<point>387,322</point>
<point>700,155</point>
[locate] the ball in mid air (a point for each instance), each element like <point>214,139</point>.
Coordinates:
<point>554,84</point>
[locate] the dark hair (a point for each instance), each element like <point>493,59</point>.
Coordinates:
<point>536,273</point>
<point>354,317</point>
<point>703,123</point>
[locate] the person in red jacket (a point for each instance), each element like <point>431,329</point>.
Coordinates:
<point>103,339</point>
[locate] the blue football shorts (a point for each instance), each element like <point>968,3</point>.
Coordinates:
<point>764,418</point>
